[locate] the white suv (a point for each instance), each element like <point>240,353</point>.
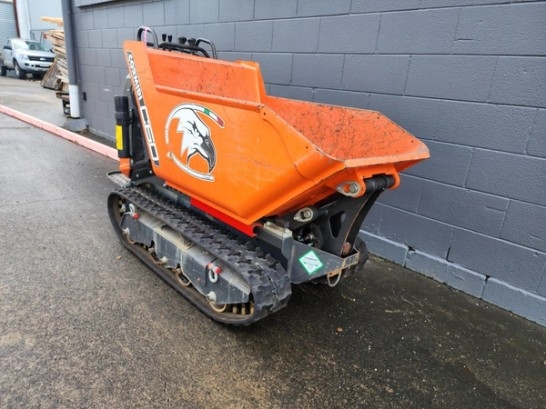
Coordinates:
<point>25,57</point>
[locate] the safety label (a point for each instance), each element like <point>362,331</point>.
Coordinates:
<point>310,262</point>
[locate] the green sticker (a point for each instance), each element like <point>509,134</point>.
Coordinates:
<point>310,262</point>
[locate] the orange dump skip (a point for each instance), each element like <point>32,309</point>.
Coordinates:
<point>215,135</point>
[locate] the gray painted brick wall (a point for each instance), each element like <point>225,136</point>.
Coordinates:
<point>466,76</point>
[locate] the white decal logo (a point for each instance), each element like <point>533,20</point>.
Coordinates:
<point>193,137</point>
<point>149,133</point>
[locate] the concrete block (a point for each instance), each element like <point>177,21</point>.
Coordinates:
<point>416,115</point>
<point>114,17</point>
<point>385,248</point>
<point>300,93</point>
<point>447,163</point>
<point>154,15</point>
<point>95,38</point>
<point>326,71</point>
<point>116,88</point>
<point>512,29</point>
<point>90,106</point>
<point>498,127</point>
<point>109,126</point>
<point>117,59</point>
<point>299,36</point>
<point>521,302</point>
<point>177,12</point>
<point>222,35</point>
<point>133,15</point>
<point>103,57</point>
<point>84,20</point>
<point>372,221</point>
<point>253,36</point>
<point>204,11</point>
<point>537,141</point>
<point>87,86</point>
<point>525,224</point>
<point>236,10</point>
<point>465,78</point>
<point>82,40</point>
<point>276,67</point>
<point>102,105</point>
<point>465,208</point>
<point>406,196</point>
<point>106,96</point>
<point>234,56</point>
<point>433,267</point>
<point>322,7</point>
<point>96,75</point>
<point>417,32</point>
<point>465,280</point>
<point>110,38</point>
<point>124,34</point>
<point>100,18</point>
<point>514,264</point>
<point>87,56</point>
<point>96,126</point>
<point>190,30</point>
<point>344,98</point>
<point>440,270</point>
<point>352,34</point>
<point>266,9</point>
<point>505,174</point>
<point>112,76</point>
<point>520,81</point>
<point>122,75</point>
<point>385,74</point>
<point>415,231</point>
<point>367,6</point>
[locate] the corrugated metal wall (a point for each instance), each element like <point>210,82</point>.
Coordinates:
<point>7,21</point>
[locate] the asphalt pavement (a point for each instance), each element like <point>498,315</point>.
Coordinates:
<point>83,324</point>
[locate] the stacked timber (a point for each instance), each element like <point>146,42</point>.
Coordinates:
<point>56,77</point>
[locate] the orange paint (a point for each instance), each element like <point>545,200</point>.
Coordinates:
<point>125,166</point>
<point>219,138</point>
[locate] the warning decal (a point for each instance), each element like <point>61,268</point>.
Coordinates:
<point>310,262</point>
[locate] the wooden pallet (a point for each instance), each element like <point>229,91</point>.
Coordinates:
<point>57,75</point>
<point>51,78</point>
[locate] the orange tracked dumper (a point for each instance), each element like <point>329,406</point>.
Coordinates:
<point>232,195</point>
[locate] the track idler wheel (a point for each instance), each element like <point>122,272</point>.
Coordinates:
<point>191,232</point>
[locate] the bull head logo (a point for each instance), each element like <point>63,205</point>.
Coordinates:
<point>195,139</point>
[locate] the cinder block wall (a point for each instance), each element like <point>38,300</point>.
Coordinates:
<point>466,76</point>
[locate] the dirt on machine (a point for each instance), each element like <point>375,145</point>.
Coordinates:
<point>233,196</point>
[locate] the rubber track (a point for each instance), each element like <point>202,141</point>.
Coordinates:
<point>268,281</point>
